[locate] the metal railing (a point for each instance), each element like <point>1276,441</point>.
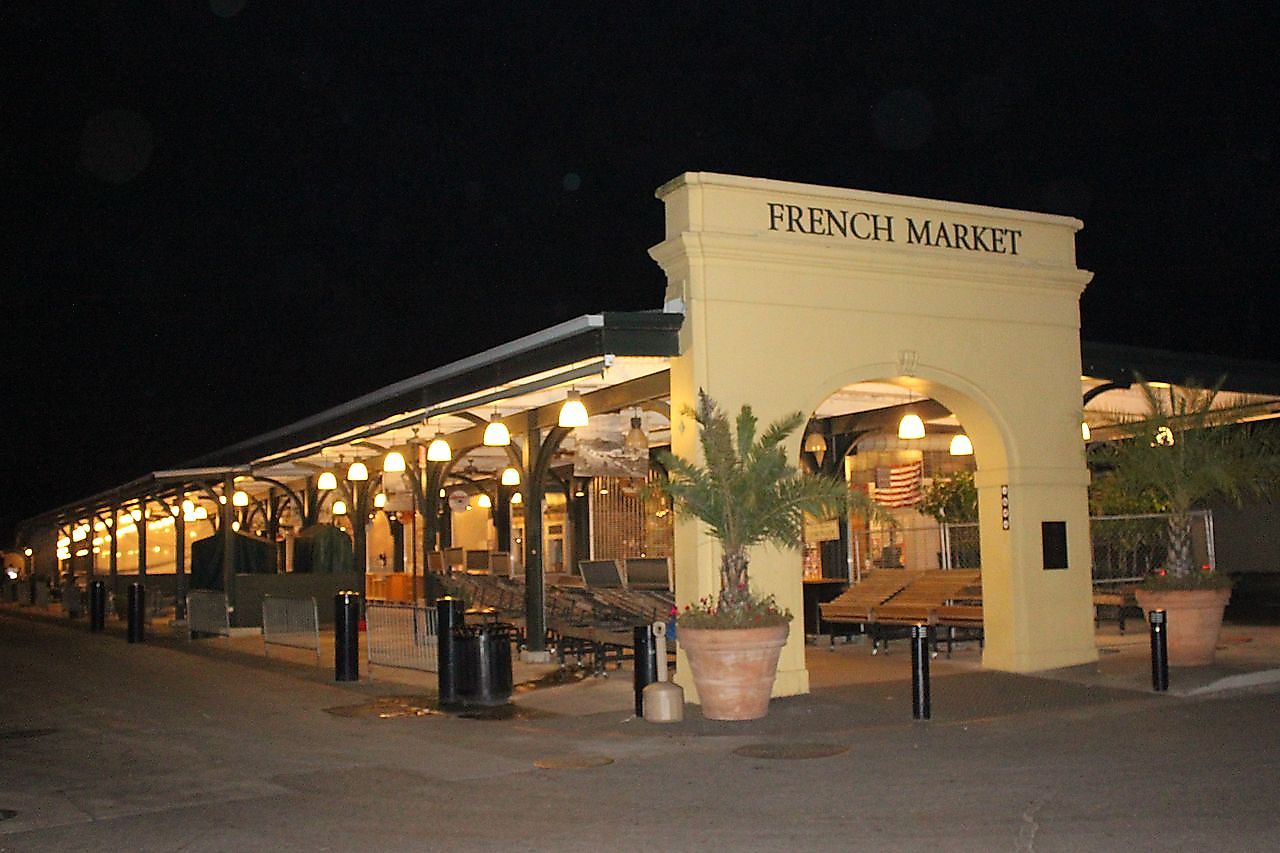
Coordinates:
<point>207,613</point>
<point>401,635</point>
<point>292,622</point>
<point>1126,548</point>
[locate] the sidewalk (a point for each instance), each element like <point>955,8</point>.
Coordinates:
<point>212,745</point>
<point>1248,657</point>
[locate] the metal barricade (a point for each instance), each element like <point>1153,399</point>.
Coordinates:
<point>292,622</point>
<point>207,613</point>
<point>401,635</point>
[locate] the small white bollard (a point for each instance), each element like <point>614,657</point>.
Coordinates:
<point>663,700</point>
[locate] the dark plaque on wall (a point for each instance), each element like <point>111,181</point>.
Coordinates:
<point>1053,537</point>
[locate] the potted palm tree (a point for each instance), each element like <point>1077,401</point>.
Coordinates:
<point>1184,452</point>
<point>746,493</point>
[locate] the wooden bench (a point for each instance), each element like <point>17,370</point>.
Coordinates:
<point>853,606</point>
<point>1112,596</point>
<point>937,598</point>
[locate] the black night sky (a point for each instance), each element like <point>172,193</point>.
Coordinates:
<point>226,215</point>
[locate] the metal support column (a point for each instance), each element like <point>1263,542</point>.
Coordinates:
<point>113,563</point>
<point>535,594</point>
<point>226,515</point>
<point>180,565</point>
<point>141,525</point>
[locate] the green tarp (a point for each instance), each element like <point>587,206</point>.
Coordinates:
<point>323,549</point>
<point>250,556</point>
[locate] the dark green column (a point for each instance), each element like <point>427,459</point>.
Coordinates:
<point>535,593</point>
<point>141,525</point>
<point>180,563</point>
<point>226,516</point>
<point>113,563</point>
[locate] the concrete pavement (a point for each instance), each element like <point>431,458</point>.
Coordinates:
<point>104,745</point>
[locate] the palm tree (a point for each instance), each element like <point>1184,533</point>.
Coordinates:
<point>747,493</point>
<point>1182,453</point>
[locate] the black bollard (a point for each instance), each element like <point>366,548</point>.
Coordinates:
<point>646,662</point>
<point>97,605</point>
<point>920,707</point>
<point>450,616</point>
<point>1159,652</point>
<point>137,613</point>
<point>346,636</point>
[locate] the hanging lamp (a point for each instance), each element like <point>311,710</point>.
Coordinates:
<point>961,445</point>
<point>496,433</point>
<point>358,472</point>
<point>816,444</point>
<point>380,500</point>
<point>573,413</point>
<point>393,462</point>
<point>327,481</point>
<point>510,477</point>
<point>240,498</point>
<point>339,507</point>
<point>484,501</point>
<point>636,439</point>
<point>439,450</point>
<point>910,427</point>
<point>516,498</point>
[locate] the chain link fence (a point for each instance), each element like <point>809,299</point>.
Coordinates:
<point>1127,548</point>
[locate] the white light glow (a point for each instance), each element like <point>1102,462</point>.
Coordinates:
<point>496,433</point>
<point>573,413</point>
<point>911,427</point>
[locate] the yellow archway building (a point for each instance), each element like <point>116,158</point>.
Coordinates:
<point>791,292</point>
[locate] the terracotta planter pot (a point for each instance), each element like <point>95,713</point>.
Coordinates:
<point>1194,619</point>
<point>734,669</point>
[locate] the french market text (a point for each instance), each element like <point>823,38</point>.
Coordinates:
<point>860,225</point>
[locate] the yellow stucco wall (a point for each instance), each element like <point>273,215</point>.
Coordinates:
<point>793,291</point>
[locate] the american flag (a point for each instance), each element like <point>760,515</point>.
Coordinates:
<point>898,485</point>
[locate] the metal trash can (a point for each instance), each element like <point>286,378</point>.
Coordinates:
<point>484,671</point>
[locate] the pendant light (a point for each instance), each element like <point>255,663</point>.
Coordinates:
<point>484,501</point>
<point>816,444</point>
<point>380,500</point>
<point>393,462</point>
<point>327,481</point>
<point>961,445</point>
<point>510,477</point>
<point>439,450</point>
<point>496,433</point>
<point>636,439</point>
<point>516,499</point>
<point>339,507</point>
<point>910,427</point>
<point>358,472</point>
<point>573,413</point>
<point>240,498</point>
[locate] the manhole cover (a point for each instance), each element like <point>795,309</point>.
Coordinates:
<point>390,707</point>
<point>791,751</point>
<point>23,734</point>
<point>5,814</point>
<point>572,762</point>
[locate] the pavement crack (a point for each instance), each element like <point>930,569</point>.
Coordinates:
<point>1026,842</point>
